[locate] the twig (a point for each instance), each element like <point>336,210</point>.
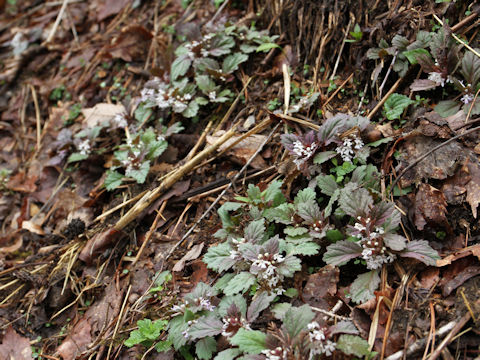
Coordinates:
<point>341,51</point>
<point>57,22</point>
<point>220,9</point>
<point>117,325</point>
<point>458,39</point>
<point>380,90</point>
<point>337,90</point>
<point>151,195</point>
<point>37,118</point>
<point>300,121</point>
<point>234,179</point>
<point>416,161</point>
<point>380,104</point>
<point>330,313</point>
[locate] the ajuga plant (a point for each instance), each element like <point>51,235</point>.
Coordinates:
<point>203,67</point>
<point>339,135</point>
<point>373,239</point>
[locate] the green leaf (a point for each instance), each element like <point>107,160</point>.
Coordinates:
<point>180,66</point>
<point>142,113</point>
<point>274,193</point>
<point>223,281</point>
<point>363,287</point>
<point>227,301</point>
<point>320,158</point>
<point>240,283</point>
<point>74,157</point>
<point>334,235</point>
<point>395,105</point>
<point>296,319</point>
<point>279,310</point>
<point>231,62</point>
<point>255,231</point>
<point>205,348</point>
<point>205,83</point>
<point>135,338</point>
<point>266,47</point>
<point>113,180</point>
<point>327,184</point>
<point>191,110</point>
<point>205,326</point>
<point>260,302</point>
<point>354,345</point>
<point>218,257</point>
<point>412,55</point>
<point>447,108</point>
<point>140,175</point>
<point>304,195</point>
<point>249,341</point>
<point>224,213</point>
<point>176,327</point>
<point>229,354</point>
<point>295,231</point>
<point>341,252</point>
<point>163,346</point>
<point>306,248</point>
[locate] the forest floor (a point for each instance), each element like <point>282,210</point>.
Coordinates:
<point>239,179</point>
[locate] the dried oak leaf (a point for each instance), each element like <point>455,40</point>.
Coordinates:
<point>15,346</point>
<point>430,207</point>
<point>438,165</point>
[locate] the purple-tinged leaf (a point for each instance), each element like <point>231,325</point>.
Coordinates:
<point>218,257</point>
<point>320,158</point>
<point>260,302</point>
<point>355,201</point>
<point>421,250</point>
<point>470,68</point>
<point>205,326</point>
<point>363,287</point>
<point>341,252</point>
<point>395,242</point>
<point>204,348</point>
<point>297,318</point>
<point>309,211</point>
<point>255,231</point>
<point>289,266</point>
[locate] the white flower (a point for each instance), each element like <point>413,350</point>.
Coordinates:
<point>204,52</point>
<point>212,95</point>
<point>120,120</point>
<point>467,98</point>
<point>320,343</point>
<point>276,354</point>
<point>84,147</point>
<point>302,152</point>
<point>437,78</point>
<point>348,147</point>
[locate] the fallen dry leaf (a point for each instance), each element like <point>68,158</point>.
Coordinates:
<point>473,186</point>
<point>321,288</point>
<point>430,207</point>
<point>101,113</point>
<point>15,346</point>
<point>192,254</point>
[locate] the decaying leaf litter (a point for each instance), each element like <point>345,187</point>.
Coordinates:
<point>179,181</point>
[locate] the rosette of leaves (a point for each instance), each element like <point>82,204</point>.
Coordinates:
<point>194,325</point>
<point>256,260</point>
<point>315,148</point>
<point>300,337</point>
<point>137,154</point>
<point>374,239</point>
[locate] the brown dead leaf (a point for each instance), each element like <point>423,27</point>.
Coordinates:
<point>98,317</point>
<point>15,346</point>
<point>473,186</point>
<point>430,207</point>
<point>192,254</point>
<point>132,44</point>
<point>199,272</point>
<point>471,250</point>
<point>98,243</point>
<point>321,287</point>
<point>438,165</point>
<point>101,113</point>
<point>108,8</point>
<point>22,182</point>
<point>454,188</point>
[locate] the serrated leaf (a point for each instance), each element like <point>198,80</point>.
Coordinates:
<point>76,156</point>
<point>354,345</point>
<point>395,105</point>
<point>191,110</point>
<point>142,113</point>
<point>231,62</point>
<point>400,42</point>
<point>227,301</point>
<point>240,283</point>
<point>255,231</point>
<point>221,45</point>
<point>223,281</point>
<point>341,252</point>
<point>296,319</point>
<point>305,248</point>
<point>274,193</point>
<point>205,83</point>
<point>280,309</point>
<point>228,354</point>
<point>260,302</point>
<point>224,213</point>
<point>266,47</point>
<point>320,158</point>
<point>447,108</point>
<point>280,214</point>
<point>204,348</point>
<point>295,231</point>
<point>218,257</point>
<point>327,184</point>
<point>290,265</point>
<point>163,346</point>
<point>113,180</point>
<point>176,327</point>
<point>309,211</point>
<point>421,250</point>
<point>354,201</point>
<point>135,338</point>
<point>307,194</point>
<point>331,201</point>
<point>249,341</point>
<point>180,66</point>
<point>363,287</point>
<point>140,175</point>
<point>413,54</point>
<point>205,326</point>
<point>395,242</point>
<point>470,68</point>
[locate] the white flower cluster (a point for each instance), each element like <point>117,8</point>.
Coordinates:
<point>437,78</point>
<point>231,324</point>
<point>84,147</point>
<point>348,148</point>
<point>204,303</point>
<point>303,153</point>
<point>275,354</point>
<point>374,252</point>
<point>192,45</point>
<point>162,95</point>
<point>268,264</point>
<point>120,120</point>
<point>320,343</point>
